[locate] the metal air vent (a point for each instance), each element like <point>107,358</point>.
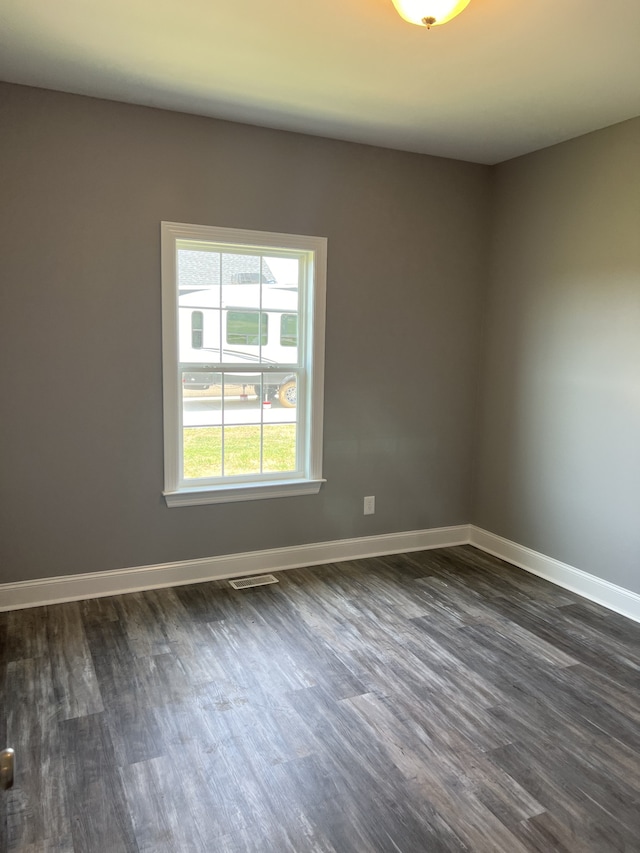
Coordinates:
<point>258,580</point>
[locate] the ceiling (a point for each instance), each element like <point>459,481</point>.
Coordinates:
<point>504,78</point>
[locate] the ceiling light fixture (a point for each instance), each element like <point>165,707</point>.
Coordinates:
<point>429,13</point>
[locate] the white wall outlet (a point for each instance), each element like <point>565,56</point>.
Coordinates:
<point>370,505</point>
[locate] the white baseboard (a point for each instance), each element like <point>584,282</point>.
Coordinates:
<point>589,586</point>
<point>14,596</point>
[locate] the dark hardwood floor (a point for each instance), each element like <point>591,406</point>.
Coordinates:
<point>435,701</point>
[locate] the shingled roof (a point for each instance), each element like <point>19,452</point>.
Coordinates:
<point>197,269</point>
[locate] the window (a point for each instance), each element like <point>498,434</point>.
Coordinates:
<point>243,353</point>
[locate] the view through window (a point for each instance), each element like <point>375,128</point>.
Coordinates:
<point>243,325</point>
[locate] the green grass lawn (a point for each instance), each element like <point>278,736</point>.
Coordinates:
<point>203,450</point>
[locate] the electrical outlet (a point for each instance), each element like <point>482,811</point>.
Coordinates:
<point>370,505</point>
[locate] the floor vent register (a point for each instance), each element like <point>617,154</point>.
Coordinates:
<point>258,580</point>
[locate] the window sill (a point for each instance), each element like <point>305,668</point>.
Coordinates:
<point>244,492</point>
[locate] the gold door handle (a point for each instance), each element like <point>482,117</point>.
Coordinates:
<point>7,762</point>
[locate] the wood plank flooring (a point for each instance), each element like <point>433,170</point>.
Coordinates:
<point>435,701</point>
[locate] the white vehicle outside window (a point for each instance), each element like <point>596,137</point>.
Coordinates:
<point>243,363</point>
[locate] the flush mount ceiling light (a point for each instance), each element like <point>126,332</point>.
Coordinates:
<point>429,13</point>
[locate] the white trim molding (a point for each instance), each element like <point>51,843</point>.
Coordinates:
<point>244,492</point>
<point>589,586</point>
<point>33,593</point>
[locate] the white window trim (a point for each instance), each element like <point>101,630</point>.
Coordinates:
<point>177,494</point>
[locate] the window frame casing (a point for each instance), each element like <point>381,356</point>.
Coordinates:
<point>177,491</point>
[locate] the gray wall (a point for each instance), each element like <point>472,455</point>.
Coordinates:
<point>84,185</point>
<point>559,445</point>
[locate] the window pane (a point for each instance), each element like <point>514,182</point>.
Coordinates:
<point>242,398</point>
<point>289,330</point>
<point>286,271</point>
<point>245,269</point>
<point>288,393</point>
<point>202,449</point>
<point>279,447</point>
<point>198,383</point>
<point>242,450</point>
<point>197,269</point>
<point>246,327</point>
<point>196,329</point>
